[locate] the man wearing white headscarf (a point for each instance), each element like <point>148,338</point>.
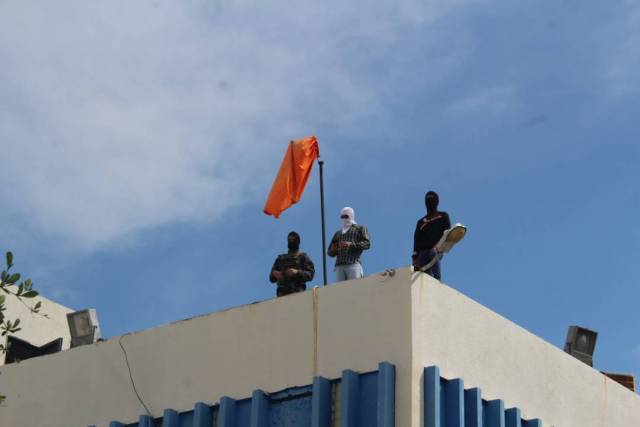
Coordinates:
<point>347,245</point>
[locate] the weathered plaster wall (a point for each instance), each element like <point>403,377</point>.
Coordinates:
<point>409,320</point>
<point>271,345</point>
<point>507,362</point>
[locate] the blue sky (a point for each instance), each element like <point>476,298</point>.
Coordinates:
<point>139,142</point>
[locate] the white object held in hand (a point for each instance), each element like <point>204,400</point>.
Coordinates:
<point>448,240</point>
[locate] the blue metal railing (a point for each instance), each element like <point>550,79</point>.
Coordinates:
<point>366,400</point>
<point>448,404</point>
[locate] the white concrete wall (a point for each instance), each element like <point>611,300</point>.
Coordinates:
<point>468,341</point>
<point>37,329</point>
<point>364,322</point>
<point>410,321</point>
<point>271,346</point>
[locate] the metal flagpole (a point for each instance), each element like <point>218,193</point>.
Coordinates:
<point>324,242</point>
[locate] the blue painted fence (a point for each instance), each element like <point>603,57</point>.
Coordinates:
<point>448,404</point>
<point>366,400</point>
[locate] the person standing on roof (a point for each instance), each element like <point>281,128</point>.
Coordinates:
<point>429,230</point>
<point>347,245</point>
<point>292,270</point>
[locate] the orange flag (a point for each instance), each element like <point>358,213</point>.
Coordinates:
<point>293,175</point>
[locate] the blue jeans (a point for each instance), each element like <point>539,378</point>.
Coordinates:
<point>348,272</point>
<point>424,257</point>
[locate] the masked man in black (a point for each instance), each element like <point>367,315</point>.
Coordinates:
<point>429,230</point>
<point>292,270</point>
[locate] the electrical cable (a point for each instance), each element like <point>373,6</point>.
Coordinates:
<point>133,384</point>
<point>314,297</point>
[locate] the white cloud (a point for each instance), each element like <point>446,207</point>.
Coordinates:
<point>119,116</point>
<point>624,65</point>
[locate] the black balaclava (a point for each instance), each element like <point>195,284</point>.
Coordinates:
<point>431,199</point>
<point>293,241</point>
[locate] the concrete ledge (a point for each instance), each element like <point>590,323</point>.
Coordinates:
<point>409,320</point>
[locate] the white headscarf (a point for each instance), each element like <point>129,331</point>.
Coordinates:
<point>347,222</point>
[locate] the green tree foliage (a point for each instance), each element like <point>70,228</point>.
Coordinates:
<point>12,287</point>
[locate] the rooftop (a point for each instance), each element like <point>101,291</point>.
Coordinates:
<point>407,319</point>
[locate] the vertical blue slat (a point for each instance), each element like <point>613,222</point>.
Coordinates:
<point>473,408</point>
<point>513,417</point>
<point>532,423</point>
<point>431,396</point>
<point>494,415</point>
<point>349,399</point>
<point>170,418</point>
<point>116,424</point>
<point>386,395</point>
<point>259,409</point>
<point>227,412</point>
<point>145,421</point>
<point>202,415</point>
<point>454,403</point>
<point>321,403</point>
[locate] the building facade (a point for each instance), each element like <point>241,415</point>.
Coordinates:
<point>37,329</point>
<point>392,349</point>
